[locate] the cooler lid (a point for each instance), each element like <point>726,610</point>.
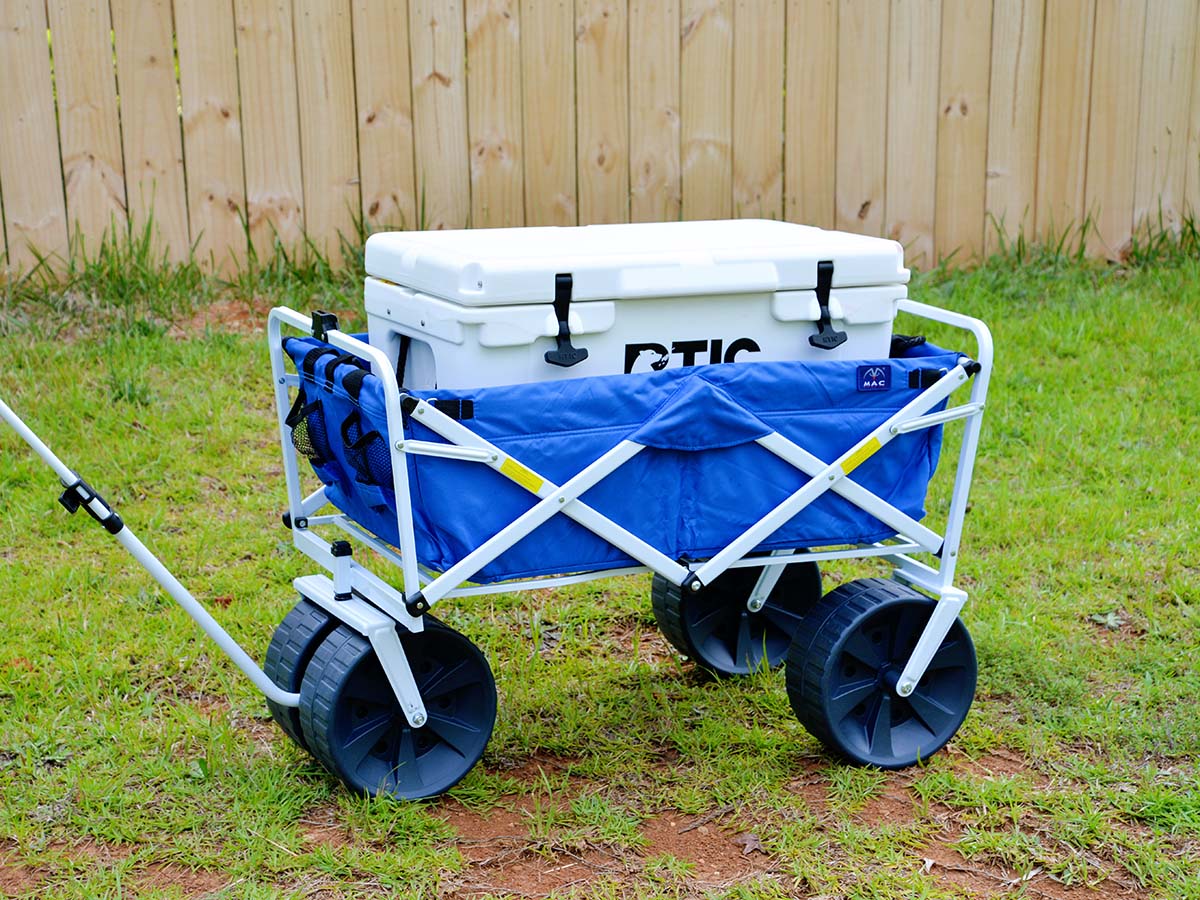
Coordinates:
<point>500,266</point>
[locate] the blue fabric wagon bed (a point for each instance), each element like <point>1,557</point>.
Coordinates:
<point>702,482</point>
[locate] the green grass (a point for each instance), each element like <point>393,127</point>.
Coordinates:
<point>135,761</point>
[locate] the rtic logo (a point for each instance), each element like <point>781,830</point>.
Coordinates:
<point>653,357</point>
<point>874,378</point>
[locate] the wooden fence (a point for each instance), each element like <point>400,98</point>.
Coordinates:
<point>230,123</point>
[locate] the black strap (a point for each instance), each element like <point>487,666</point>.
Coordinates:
<point>300,410</point>
<point>920,379</point>
<point>353,383</point>
<point>456,409</point>
<point>402,362</point>
<point>308,365</point>
<point>331,367</point>
<point>356,448</point>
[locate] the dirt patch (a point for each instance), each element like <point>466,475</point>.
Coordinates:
<point>504,858</point>
<point>949,866</point>
<point>890,808</point>
<point>531,769</point>
<point>482,833</point>
<point>320,828</point>
<point>191,882</point>
<point>228,314</point>
<point>812,786</point>
<point>718,856</point>
<point>531,872</point>
<point>92,850</point>
<point>16,879</point>
<point>1001,763</point>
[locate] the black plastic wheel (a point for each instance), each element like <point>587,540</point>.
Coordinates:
<point>292,646</point>
<point>715,628</point>
<point>843,665</point>
<point>354,725</point>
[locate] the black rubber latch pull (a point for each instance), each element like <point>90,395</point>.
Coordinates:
<point>323,322</point>
<point>564,355</point>
<point>825,338</point>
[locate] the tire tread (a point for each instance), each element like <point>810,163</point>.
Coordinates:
<point>292,647</point>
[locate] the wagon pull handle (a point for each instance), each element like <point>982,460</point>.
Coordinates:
<point>79,494</point>
<point>826,337</point>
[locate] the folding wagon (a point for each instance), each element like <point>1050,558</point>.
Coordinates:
<point>723,404</point>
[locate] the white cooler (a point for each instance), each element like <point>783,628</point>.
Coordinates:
<point>463,309</point>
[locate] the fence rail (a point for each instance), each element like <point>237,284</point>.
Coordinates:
<point>231,124</point>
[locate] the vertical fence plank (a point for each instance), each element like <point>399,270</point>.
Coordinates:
<point>912,139</point>
<point>212,132</point>
<point>1191,202</point>
<point>1066,94</point>
<point>862,115</point>
<point>1112,142</point>
<point>653,110</point>
<point>328,124</point>
<point>88,126</point>
<point>602,104</point>
<point>440,113</point>
<point>810,113</point>
<point>706,109</point>
<point>758,83</point>
<point>30,167</point>
<point>494,113</point>
<point>150,123</point>
<point>1013,110</point>
<point>270,124</point>
<point>548,95</point>
<point>384,92</point>
<point>963,128</point>
<point>1161,164</point>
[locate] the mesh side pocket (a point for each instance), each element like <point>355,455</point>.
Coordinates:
<point>308,429</point>
<point>368,453</point>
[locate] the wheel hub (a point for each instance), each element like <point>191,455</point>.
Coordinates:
<point>889,677</point>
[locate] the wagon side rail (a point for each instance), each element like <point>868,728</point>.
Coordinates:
<point>939,581</point>
<point>348,576</point>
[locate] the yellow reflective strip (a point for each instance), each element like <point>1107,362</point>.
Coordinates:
<point>521,475</point>
<point>861,455</point>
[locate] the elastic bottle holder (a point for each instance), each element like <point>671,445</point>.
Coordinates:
<point>308,430</point>
<point>367,453</point>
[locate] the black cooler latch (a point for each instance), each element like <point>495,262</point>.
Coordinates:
<point>825,338</point>
<point>564,355</point>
